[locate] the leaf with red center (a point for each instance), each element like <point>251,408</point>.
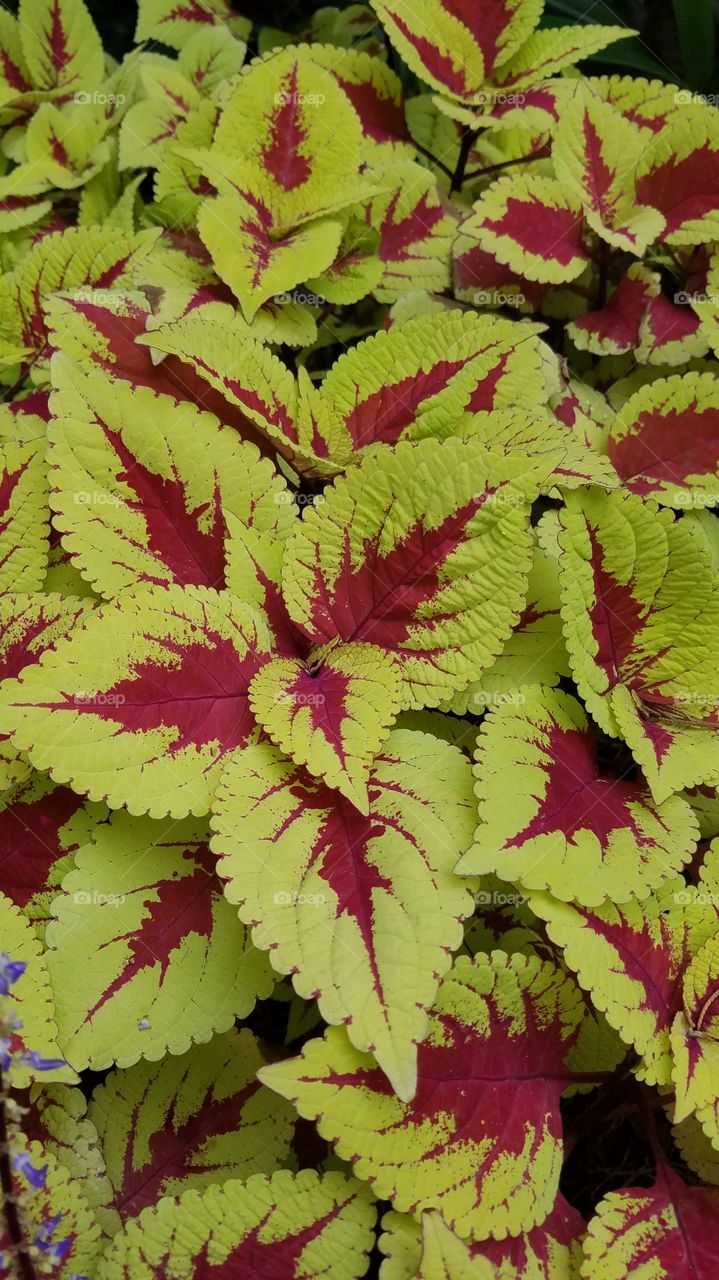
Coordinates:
<point>165,961</point>
<point>671,332</point>
<point>615,328</point>
<point>595,154</point>
<point>150,125</point>
<point>634,612</point>
<point>533,224</point>
<point>362,909</point>
<point>256,263</point>
<point>551,1251</point>
<point>481,1141</point>
<point>375,92</point>
<point>664,442</point>
<point>454,44</point>
<point>480,279</point>
<point>331,713</point>
<point>678,174</point>
<point>281,409</point>
<point>423,549</point>
<point>669,1228</point>
<point>148,490</point>
<point>14,75</point>
<point>29,624</point>
<point>24,513</point>
<point>41,827</point>
<point>189,1121</point>
<point>60,44</point>
<point>695,1040</point>
<point>288,138</point>
<point>211,56</point>
<point>631,959</point>
<point>416,228</point>
<point>356,270</point>
<point>383,385</point>
<point>144,704</point>
<point>99,257</point>
<point>552,49</point>
<point>174,22</point>
<point>647,103</point>
<point>570,830</point>
<point>674,741</point>
<point>288,1227</point>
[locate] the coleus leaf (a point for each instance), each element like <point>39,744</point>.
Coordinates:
<point>57,1119</point>
<point>174,24</point>
<point>24,514</point>
<point>664,442</point>
<point>631,959</point>
<point>454,47</point>
<point>362,909</point>
<point>29,624</point>
<point>416,228</point>
<point>595,153</point>
<point>535,651</point>
<point>144,703</point>
<point>382,386</point>
<point>29,1003</point>
<point>60,45</point>
<point>288,141</point>
<point>189,1121</point>
<point>298,1226</point>
<point>211,56</point>
<point>165,960</point>
<point>570,830</point>
<point>331,714</point>
<point>57,1213</point>
<point>671,334</point>
<point>678,174</point>
<point>629,578</point>
<point>407,552</point>
<point>42,827</point>
<point>532,224</point>
<point>550,50</point>
<point>430,1250</point>
<point>146,490</point>
<point>617,327</point>
<point>668,1227</point>
<point>694,1040</point>
<point>481,1140</point>
<point>372,87</point>
<point>356,270</point>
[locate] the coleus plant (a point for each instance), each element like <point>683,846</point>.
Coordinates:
<point>359,650</point>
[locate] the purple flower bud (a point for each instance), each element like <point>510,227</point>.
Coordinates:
<point>10,971</point>
<point>33,1059</point>
<point>23,1164</point>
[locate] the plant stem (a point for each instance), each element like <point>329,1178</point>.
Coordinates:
<point>469,137</point>
<point>25,1264</point>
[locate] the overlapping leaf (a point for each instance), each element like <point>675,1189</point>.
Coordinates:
<point>189,1121</point>
<point>362,909</point>
<point>665,441</point>
<point>571,829</point>
<point>481,1140</point>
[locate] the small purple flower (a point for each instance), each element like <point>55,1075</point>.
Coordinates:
<point>33,1059</point>
<point>10,971</point>
<point>5,1055</point>
<point>23,1164</point>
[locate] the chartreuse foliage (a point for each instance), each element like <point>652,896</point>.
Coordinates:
<point>359,649</point>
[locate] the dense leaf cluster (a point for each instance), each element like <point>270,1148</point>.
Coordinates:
<point>359,650</point>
